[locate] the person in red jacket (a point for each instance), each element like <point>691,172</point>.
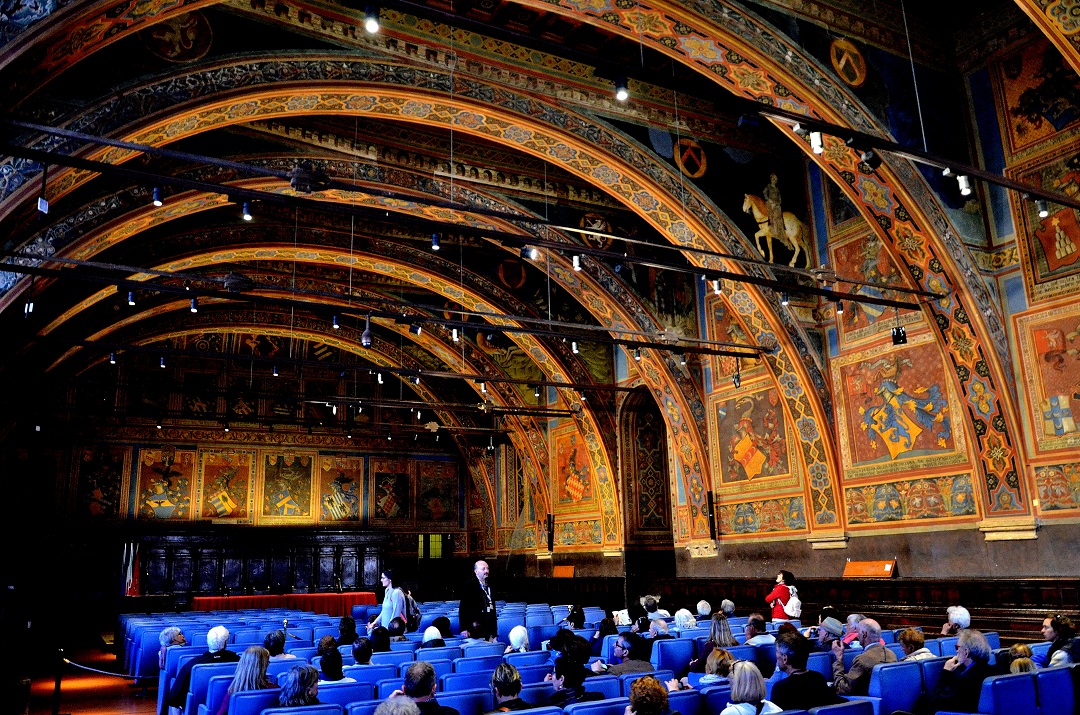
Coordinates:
<point>780,595</point>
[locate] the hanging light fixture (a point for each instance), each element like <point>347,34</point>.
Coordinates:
<point>161,362</point>
<point>1042,207</point>
<point>335,324</point>
<point>785,299</point>
<point>194,305</point>
<point>112,358</point>
<point>637,354</point>
<point>434,241</point>
<point>622,89</point>
<point>371,19</point>
<point>275,371</point>
<point>365,337</point>
<point>246,213</point>
<point>536,392</point>
<point>157,196</point>
<point>131,297</point>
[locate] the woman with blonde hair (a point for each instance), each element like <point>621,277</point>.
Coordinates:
<point>717,667</point>
<point>748,691</point>
<point>1022,665</point>
<point>250,675</point>
<point>720,636</point>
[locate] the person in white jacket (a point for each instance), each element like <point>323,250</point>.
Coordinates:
<point>748,691</point>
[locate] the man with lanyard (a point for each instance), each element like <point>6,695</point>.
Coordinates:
<point>476,614</point>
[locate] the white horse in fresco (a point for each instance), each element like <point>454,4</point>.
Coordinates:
<point>796,235</point>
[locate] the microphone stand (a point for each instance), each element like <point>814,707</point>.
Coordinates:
<point>60,661</point>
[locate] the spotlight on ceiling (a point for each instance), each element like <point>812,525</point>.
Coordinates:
<point>335,324</point>
<point>682,358</point>
<point>536,392</point>
<point>161,362</point>
<point>131,297</point>
<point>622,90</point>
<point>736,379</point>
<point>637,354</point>
<point>964,181</point>
<point>378,378</point>
<point>157,196</point>
<point>416,380</point>
<point>816,144</point>
<point>574,347</point>
<point>415,328</point>
<point>226,426</point>
<point>839,307</point>
<point>716,287</point>
<point>194,305</point>
<point>112,358</point>
<point>483,387</point>
<point>246,213</point>
<point>434,241</point>
<point>785,298</point>
<point>159,423</point>
<point>899,335</point>
<point>1042,207</point>
<point>529,253</point>
<point>275,371</point>
<point>371,19</point>
<point>577,263</point>
<point>454,335</point>
<point>365,337</point>
<point>871,159</point>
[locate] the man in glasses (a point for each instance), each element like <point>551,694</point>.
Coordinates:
<point>632,653</point>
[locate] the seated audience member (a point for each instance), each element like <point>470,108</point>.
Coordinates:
<point>957,619</point>
<point>433,638</point>
<point>632,653</point>
<point>397,706</point>
<point>851,630</point>
<point>720,636</point>
<point>1059,630</point>
<point>658,630</point>
<point>856,681</point>
<point>785,628</point>
<point>652,608</point>
<point>1022,665</point>
<point>325,645</point>
<point>274,643</point>
<point>331,666</point>
<point>419,685</point>
<point>443,624</point>
<point>756,633</point>
<point>684,619</point>
<point>397,631</point>
<point>748,692</point>
<point>347,631</point>
<point>704,609</point>
<point>250,675</point>
<point>960,683</point>
<point>606,627</point>
<point>300,687</point>
<point>506,688</point>
<point>379,639</point>
<point>802,689</point>
<point>569,683</point>
<point>912,642</point>
<point>727,607</point>
<point>1016,651</point>
<point>641,625</point>
<point>361,651</point>
<point>826,634</point>
<point>717,667</point>
<point>216,640</point>
<point>648,697</point>
<point>169,637</point>
<point>575,618</point>
<point>519,640</point>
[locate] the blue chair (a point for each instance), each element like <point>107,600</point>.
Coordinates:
<point>607,685</point>
<point>442,667</point>
<point>305,652</point>
<point>307,710</point>
<point>853,707</point>
<point>533,673</point>
<point>478,650</point>
<point>248,638</point>
<point>216,692</point>
<point>486,663</point>
<point>765,657</point>
<point>538,618</point>
<point>430,654</point>
<point>687,702</point>
<point>200,681</point>
<point>533,657</point>
<point>716,697</point>
<point>1037,649</point>
<point>1054,689</point>
<point>606,647</point>
<point>506,623</point>
<point>1007,695</point>
<point>371,673</point>
<point>383,688</point>
<point>674,654</point>
<point>253,702</point>
<point>410,646</point>
<point>897,649</point>
<point>345,693</point>
<point>538,633</point>
<point>320,631</point>
<point>364,708</point>
<point>692,633</point>
<point>931,670</point>
<point>613,706</point>
<point>625,680</point>
<point>933,645</point>
<point>948,646</point>
<point>546,710</point>
<point>821,663</point>
<point>888,637</point>
<point>173,657</point>
<point>893,686</point>
<point>469,702</point>
<point>456,682</point>
<point>540,693</point>
<point>400,656</point>
<point>993,638</point>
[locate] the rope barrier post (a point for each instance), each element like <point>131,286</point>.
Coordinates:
<point>60,661</point>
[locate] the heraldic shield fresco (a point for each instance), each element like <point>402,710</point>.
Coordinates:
<point>898,410</point>
<point>163,489</point>
<point>226,485</point>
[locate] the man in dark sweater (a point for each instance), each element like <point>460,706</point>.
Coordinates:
<point>802,689</point>
<point>216,640</point>
<point>960,684</point>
